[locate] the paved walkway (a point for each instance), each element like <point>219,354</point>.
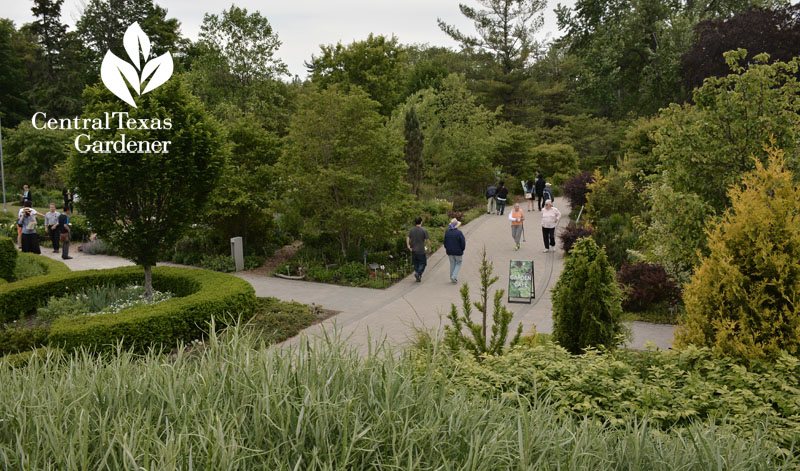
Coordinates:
<point>368,315</point>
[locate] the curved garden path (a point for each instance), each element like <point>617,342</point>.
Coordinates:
<point>394,314</point>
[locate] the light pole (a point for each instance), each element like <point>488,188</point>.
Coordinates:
<point>2,170</point>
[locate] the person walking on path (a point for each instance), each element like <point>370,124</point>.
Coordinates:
<point>550,217</point>
<point>30,238</point>
<point>51,223</point>
<point>530,193</point>
<point>502,195</point>
<point>454,245</point>
<point>64,233</point>
<point>540,185</point>
<point>419,244</point>
<point>517,218</point>
<point>491,192</point>
<point>547,194</point>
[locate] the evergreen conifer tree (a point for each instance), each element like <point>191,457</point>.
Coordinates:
<point>743,299</point>
<point>587,302</point>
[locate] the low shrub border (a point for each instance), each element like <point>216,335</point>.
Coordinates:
<point>51,267</point>
<point>203,295</point>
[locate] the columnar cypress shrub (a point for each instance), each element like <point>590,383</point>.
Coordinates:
<point>8,259</point>
<point>743,299</point>
<point>587,301</point>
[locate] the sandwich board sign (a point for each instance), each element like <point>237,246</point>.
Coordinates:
<point>520,281</point>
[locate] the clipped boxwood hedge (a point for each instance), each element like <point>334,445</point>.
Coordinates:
<point>8,258</point>
<point>201,295</point>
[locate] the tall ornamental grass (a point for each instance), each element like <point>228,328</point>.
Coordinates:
<point>316,407</point>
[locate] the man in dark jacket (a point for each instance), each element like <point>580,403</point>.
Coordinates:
<point>502,195</point>
<point>491,191</point>
<point>539,189</point>
<point>454,245</point>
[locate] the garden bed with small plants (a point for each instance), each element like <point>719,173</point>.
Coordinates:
<point>99,308</point>
<point>320,259</point>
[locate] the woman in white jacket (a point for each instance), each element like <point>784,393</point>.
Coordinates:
<point>550,218</point>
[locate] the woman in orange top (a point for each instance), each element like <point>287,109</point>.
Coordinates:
<point>516,216</point>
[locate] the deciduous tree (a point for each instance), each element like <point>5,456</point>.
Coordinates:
<point>344,169</point>
<point>377,65</point>
<point>142,203</point>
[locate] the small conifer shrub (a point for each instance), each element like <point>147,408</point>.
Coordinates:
<point>587,301</point>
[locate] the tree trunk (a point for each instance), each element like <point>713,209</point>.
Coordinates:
<point>148,282</point>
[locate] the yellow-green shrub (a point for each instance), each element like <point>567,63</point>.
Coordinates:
<point>743,299</point>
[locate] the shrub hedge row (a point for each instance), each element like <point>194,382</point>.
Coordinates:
<point>8,258</point>
<point>201,295</point>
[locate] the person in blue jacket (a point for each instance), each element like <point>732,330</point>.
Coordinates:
<point>454,245</point>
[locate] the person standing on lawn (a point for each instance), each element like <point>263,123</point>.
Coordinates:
<point>491,192</point>
<point>454,245</point>
<point>419,243</point>
<point>502,195</point>
<point>550,217</point>
<point>51,223</point>
<point>64,231</point>
<point>517,218</point>
<point>540,185</point>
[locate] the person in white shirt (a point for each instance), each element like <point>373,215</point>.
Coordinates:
<point>33,212</point>
<point>51,222</point>
<point>550,218</point>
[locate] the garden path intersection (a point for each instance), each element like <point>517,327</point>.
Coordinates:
<point>369,315</point>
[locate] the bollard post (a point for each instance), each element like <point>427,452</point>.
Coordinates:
<point>237,252</point>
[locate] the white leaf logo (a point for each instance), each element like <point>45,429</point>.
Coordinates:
<point>115,72</point>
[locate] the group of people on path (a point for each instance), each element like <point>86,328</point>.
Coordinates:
<point>539,191</point>
<point>419,244</point>
<point>496,197</point>
<point>57,225</point>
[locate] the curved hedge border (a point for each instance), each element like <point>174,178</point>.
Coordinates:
<point>203,294</point>
<point>51,267</point>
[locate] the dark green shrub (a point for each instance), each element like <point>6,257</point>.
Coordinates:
<point>320,273</point>
<point>8,258</point>
<point>440,220</point>
<point>202,295</point>
<point>617,235</point>
<point>464,202</point>
<point>586,300</point>
<point>19,340</point>
<point>352,272</point>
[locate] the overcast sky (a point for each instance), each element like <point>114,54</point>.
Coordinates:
<point>302,25</point>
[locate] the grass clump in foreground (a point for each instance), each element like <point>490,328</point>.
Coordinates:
<point>320,407</point>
